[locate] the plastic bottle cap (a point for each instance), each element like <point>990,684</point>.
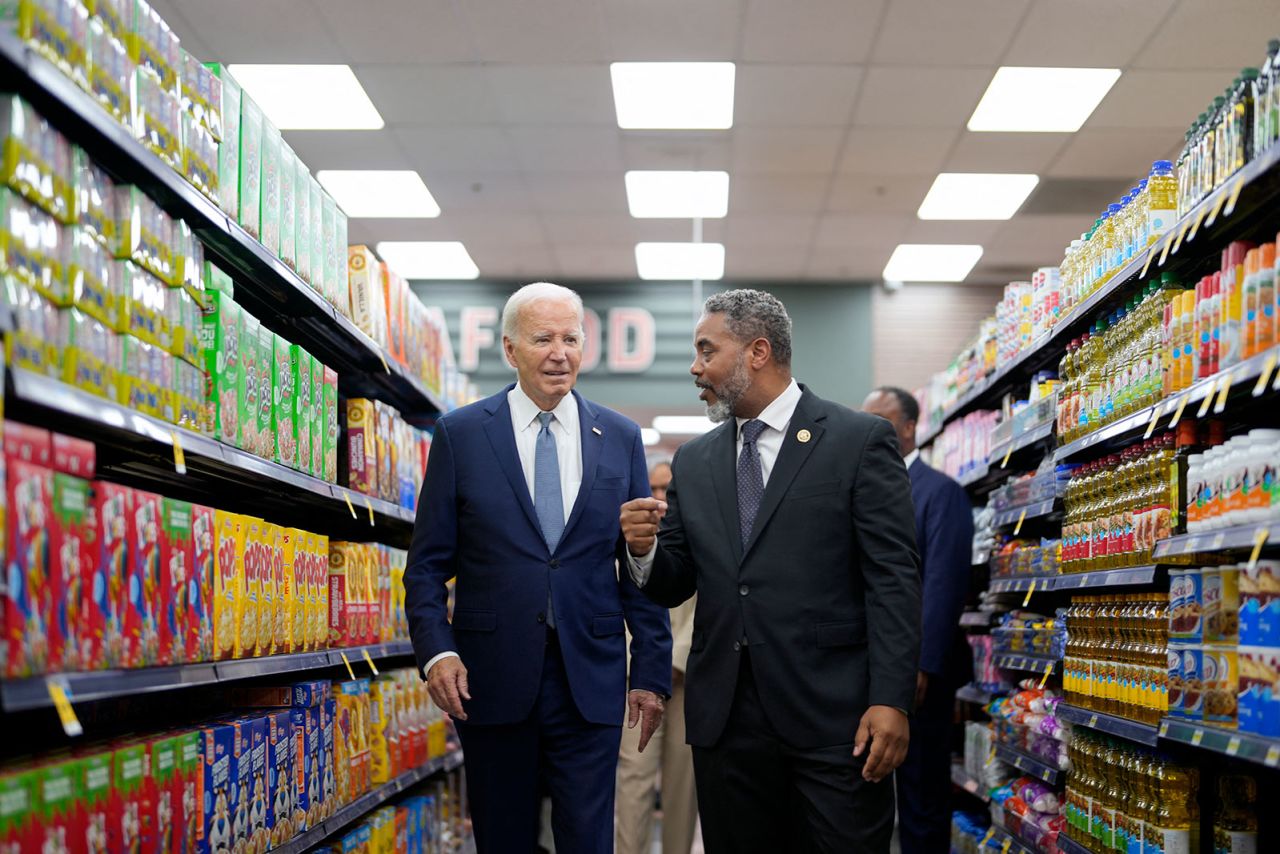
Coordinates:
<point>1162,164</point>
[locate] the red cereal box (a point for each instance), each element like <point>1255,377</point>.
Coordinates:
<point>140,604</point>
<point>126,811</point>
<point>70,549</point>
<point>19,821</point>
<point>342,572</point>
<point>58,805</point>
<point>165,800</point>
<point>104,584</point>
<point>73,456</point>
<point>200,586</point>
<point>95,796</point>
<point>190,769</point>
<point>362,453</point>
<point>28,444</point>
<point>177,564</point>
<point>26,599</point>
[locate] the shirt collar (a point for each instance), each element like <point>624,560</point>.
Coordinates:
<point>911,458</point>
<point>777,414</point>
<point>526,411</point>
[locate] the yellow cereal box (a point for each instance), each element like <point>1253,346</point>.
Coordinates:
<point>281,591</point>
<point>322,590</point>
<point>228,584</point>
<point>381,725</point>
<point>256,563</point>
<point>293,591</point>
<point>317,581</point>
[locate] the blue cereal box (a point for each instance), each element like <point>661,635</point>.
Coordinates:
<point>281,750</point>
<point>307,767</point>
<point>219,788</point>
<point>329,797</point>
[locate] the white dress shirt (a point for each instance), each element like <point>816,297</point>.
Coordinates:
<point>776,417</point>
<point>911,458</point>
<point>525,426</point>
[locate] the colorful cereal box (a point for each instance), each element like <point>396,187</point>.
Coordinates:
<point>307,766</point>
<point>70,547</point>
<point>165,799</point>
<point>320,559</point>
<point>315,421</point>
<point>177,557</point>
<point>293,574</point>
<point>328,237</point>
<point>253,732</point>
<point>365,274</point>
<point>316,204</point>
<point>330,425</point>
<point>342,296</point>
<point>128,828</point>
<point>251,383</point>
<point>251,138</point>
<point>229,150</point>
<point>76,457</point>
<point>288,205</point>
<point>301,361</point>
<point>191,773</point>
<point>362,454</point>
<point>25,602</point>
<point>281,750</point>
<point>95,799</point>
<point>228,584</point>
<point>329,798</point>
<point>343,572</point>
<point>58,807</point>
<point>284,391</point>
<point>282,593</point>
<point>266,403</point>
<point>257,567</point>
<point>105,579</point>
<point>271,143</point>
<point>200,584</point>
<point>138,605</point>
<point>219,788</point>
<point>221,334</point>
<point>388,483</point>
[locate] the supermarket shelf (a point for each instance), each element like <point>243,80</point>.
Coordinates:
<point>1038,510</point>
<point>144,447</point>
<point>264,284</point>
<point>368,802</point>
<point>972,477</point>
<point>960,406</point>
<point>1029,764</point>
<point>1241,745</point>
<point>1021,584</point>
<point>1110,724</point>
<point>33,693</point>
<point>1016,843</point>
<point>975,619</point>
<point>1238,537</point>
<point>1067,845</point>
<point>1030,663</point>
<point>973,694</point>
<point>1242,377</point>
<point>999,453</point>
<point>962,780</point>
<point>1133,575</point>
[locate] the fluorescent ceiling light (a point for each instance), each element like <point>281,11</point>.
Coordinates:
<point>429,259</point>
<point>960,195</point>
<point>683,425</point>
<point>680,261</point>
<point>309,97</point>
<point>379,193</point>
<point>931,262</point>
<point>673,95</point>
<point>683,195</point>
<point>1042,100</point>
<point>649,436</point>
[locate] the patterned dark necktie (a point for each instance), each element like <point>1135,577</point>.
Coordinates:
<point>750,478</point>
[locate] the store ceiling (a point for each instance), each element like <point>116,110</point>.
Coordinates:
<point>845,112</point>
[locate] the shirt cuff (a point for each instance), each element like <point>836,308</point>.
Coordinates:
<point>432,663</point>
<point>641,566</point>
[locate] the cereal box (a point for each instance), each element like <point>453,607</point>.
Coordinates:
<point>292,587</point>
<point>1221,590</point>
<point>219,789</point>
<point>70,547</point>
<point>190,773</point>
<point>284,390</point>
<point>395,291</point>
<point>251,140</point>
<point>388,485</point>
<point>343,734</point>
<point>200,584</point>
<point>58,806</point>
<point>358,841</point>
<point>104,576</point>
<point>382,830</point>
<point>1259,693</point>
<point>307,767</point>
<point>251,383</point>
<point>317,235</point>
<point>302,218</point>
<point>228,584</point>
<point>301,361</point>
<point>76,457</point>
<point>253,731</point>
<point>341,291</point>
<point>221,334</point>
<point>343,575</point>
<point>329,799</point>
<point>95,797</point>
<point>1221,684</point>
<point>266,402</point>
<point>126,810</point>
<point>177,557</point>
<point>165,800</point>
<point>329,237</point>
<point>271,143</point>
<point>229,151</point>
<point>281,751</point>
<point>140,599</point>
<point>288,205</point>
<point>365,274</point>
<point>384,746</point>
<point>330,425</point>
<point>362,454</point>
<point>320,545</point>
<point>25,601</point>
<point>257,565</point>
<point>384,626</point>
<point>315,424</point>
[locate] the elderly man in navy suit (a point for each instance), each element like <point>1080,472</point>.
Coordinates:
<point>944,535</point>
<point>520,504</point>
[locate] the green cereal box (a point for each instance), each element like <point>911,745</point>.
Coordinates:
<point>330,425</point>
<point>251,384</point>
<point>342,293</point>
<point>229,150</point>
<point>328,243</point>
<point>284,390</point>
<point>288,205</point>
<point>95,798</point>
<point>302,219</point>
<point>251,131</point>
<point>19,823</point>
<point>317,419</point>
<point>266,400</point>
<point>59,806</point>
<point>302,406</point>
<point>317,235</point>
<point>221,332</point>
<point>271,162</point>
<point>216,280</point>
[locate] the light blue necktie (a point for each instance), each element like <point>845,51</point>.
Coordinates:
<point>547,500</point>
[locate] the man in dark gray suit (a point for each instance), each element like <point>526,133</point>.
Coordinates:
<point>793,523</point>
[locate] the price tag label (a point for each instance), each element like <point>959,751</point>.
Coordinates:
<point>1030,590</point>
<point>1177,413</point>
<point>1164,729</point>
<point>991,831</point>
<point>1224,389</point>
<point>1093,721</point>
<point>383,359</point>
<point>369,504</point>
<point>1205,404</point>
<point>1259,540</point>
<point>179,458</point>
<point>1182,232</point>
<point>1004,464</point>
<point>1017,763</point>
<point>1164,252</point>
<point>1022,517</point>
<point>1219,540</point>
<point>1265,376</point>
<point>1197,737</point>
<point>1150,255</point>
<point>1048,670</point>
<point>1004,846</point>
<point>369,660</point>
<point>347,662</point>
<point>1195,226</point>
<point>346,496</point>
<point>1233,746</point>
<point>1233,198</point>
<point>1273,756</point>
<point>1083,580</point>
<point>1213,214</point>
<point>1151,425</point>
<point>62,704</point>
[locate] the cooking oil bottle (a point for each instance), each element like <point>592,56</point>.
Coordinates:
<point>1235,827</point>
<point>1176,822</point>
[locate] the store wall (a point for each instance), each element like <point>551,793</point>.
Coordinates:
<point>920,328</point>
<point>640,338</point>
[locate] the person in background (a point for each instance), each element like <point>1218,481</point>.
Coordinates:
<point>944,534</point>
<point>668,754</point>
<point>792,522</point>
<point>520,503</point>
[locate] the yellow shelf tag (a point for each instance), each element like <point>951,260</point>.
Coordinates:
<point>1151,425</point>
<point>1259,540</point>
<point>1093,721</point>
<point>179,458</point>
<point>383,359</point>
<point>1048,671</point>
<point>1182,232</point>
<point>369,504</point>
<point>1205,404</point>
<point>1022,517</point>
<point>1233,746</point>
<point>347,662</point>
<point>1233,198</point>
<point>1007,454</point>
<point>369,660</point>
<point>1164,729</point>
<point>1197,737</point>
<point>1004,846</point>
<point>1273,756</point>
<point>346,496</point>
<point>1032,589</point>
<point>1213,214</point>
<point>1150,255</point>
<point>991,831</point>
<point>1164,253</point>
<point>1177,414</point>
<point>62,704</point>
<point>1195,226</point>
<point>1265,377</point>
<point>1224,389</point>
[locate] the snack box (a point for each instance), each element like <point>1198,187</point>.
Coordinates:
<point>330,424</point>
<point>95,200</point>
<point>157,119</point>
<point>302,218</point>
<point>362,453</point>
<point>155,47</point>
<point>57,804</point>
<point>200,584</point>
<point>38,161</point>
<point>251,382</point>
<point>221,334</point>
<point>177,564</point>
<point>251,140</point>
<point>129,811</point>
<point>328,237</point>
<point>284,391</point>
<point>341,288</point>
<point>145,234</point>
<point>59,32</point>
<point>91,354</point>
<point>229,150</point>
<point>301,362</point>
<point>71,540</point>
<point>228,584</point>
<point>388,484</point>
<point>365,273</point>
<point>31,246</point>
<point>95,784</point>
<point>221,824</point>
<point>254,731</point>
<point>139,603</point>
<point>111,70</point>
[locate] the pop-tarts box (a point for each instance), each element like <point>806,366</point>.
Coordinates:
<point>281,750</point>
<point>220,787</point>
<point>329,795</point>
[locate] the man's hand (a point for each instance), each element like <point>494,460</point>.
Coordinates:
<point>888,732</point>
<point>922,687</point>
<point>645,708</point>
<point>639,519</point>
<point>447,684</point>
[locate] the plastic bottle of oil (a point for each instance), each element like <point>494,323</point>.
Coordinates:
<point>1235,827</point>
<point>1176,822</point>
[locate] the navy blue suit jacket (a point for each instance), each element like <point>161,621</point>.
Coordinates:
<point>944,536</point>
<point>476,522</point>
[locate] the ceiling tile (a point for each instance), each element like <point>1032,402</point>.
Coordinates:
<point>676,150</point>
<point>943,32</point>
<point>756,263</point>
<point>411,95</point>
<point>345,149</point>
<point>945,231</point>
<point>672,30</point>
<point>1005,152</point>
<point>1085,33</point>
<point>795,95</point>
<point>778,150</point>
<point>478,148</point>
<point>497,192</point>
<point>876,194</point>
<point>860,231</point>
<point>553,31</point>
<point>609,229</point>
<point>282,31</point>
<point>571,149</point>
<point>565,192</point>
<point>1036,241</point>
<point>920,97</point>
<point>531,263</point>
<point>1222,34</point>
<point>828,31</point>
<point>596,261</point>
<point>397,30</point>
<point>901,151</point>
<point>1158,99</point>
<point>1114,152</point>
<point>507,229</point>
<point>553,94</point>
<point>771,230</point>
<point>861,265</point>
<point>776,193</point>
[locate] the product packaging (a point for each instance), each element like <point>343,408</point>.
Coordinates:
<point>330,425</point>
<point>58,806</point>
<point>71,540</point>
<point>229,584</point>
<point>329,800</point>
<point>251,142</point>
<point>281,783</point>
<point>37,161</point>
<point>26,600</point>
<point>221,826</point>
<point>58,31</point>
<point>155,47</point>
<point>270,201</point>
<point>362,454</point>
<point>316,423</point>
<point>316,205</point>
<point>166,814</point>
<point>266,447</point>
<point>329,238</point>
<point>111,71</point>
<point>229,150</point>
<point>257,560</point>
<point>95,195</point>
<point>301,361</point>
<point>251,382</point>
<point>302,219</point>
<point>127,825</point>
<point>200,162</point>
<point>288,206</point>
<point>201,583</point>
<point>368,309</point>
<point>139,604</point>
<point>282,578</point>
<point>341,289</point>
<point>284,392</point>
<point>95,798</point>
<point>31,246</point>
<point>176,564</point>
<point>221,333</point>
<point>157,118</point>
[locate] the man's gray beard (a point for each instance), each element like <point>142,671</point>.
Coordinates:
<point>728,395</point>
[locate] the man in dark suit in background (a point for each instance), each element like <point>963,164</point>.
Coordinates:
<point>792,523</point>
<point>944,533</point>
<point>520,503</point>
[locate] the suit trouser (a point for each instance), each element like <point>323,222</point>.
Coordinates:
<point>637,776</point>
<point>575,758</point>
<point>924,778</point>
<point>758,794</point>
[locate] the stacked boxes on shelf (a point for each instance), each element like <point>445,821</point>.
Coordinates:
<point>386,457</point>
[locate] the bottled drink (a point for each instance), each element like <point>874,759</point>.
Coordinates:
<point>1162,194</point>
<point>1235,827</point>
<point>1263,135</point>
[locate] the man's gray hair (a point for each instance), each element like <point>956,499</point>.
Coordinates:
<point>655,460</point>
<point>753,314</point>
<point>531,294</point>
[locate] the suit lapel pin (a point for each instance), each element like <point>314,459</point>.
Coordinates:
<point>597,431</point>
<point>803,436</point>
